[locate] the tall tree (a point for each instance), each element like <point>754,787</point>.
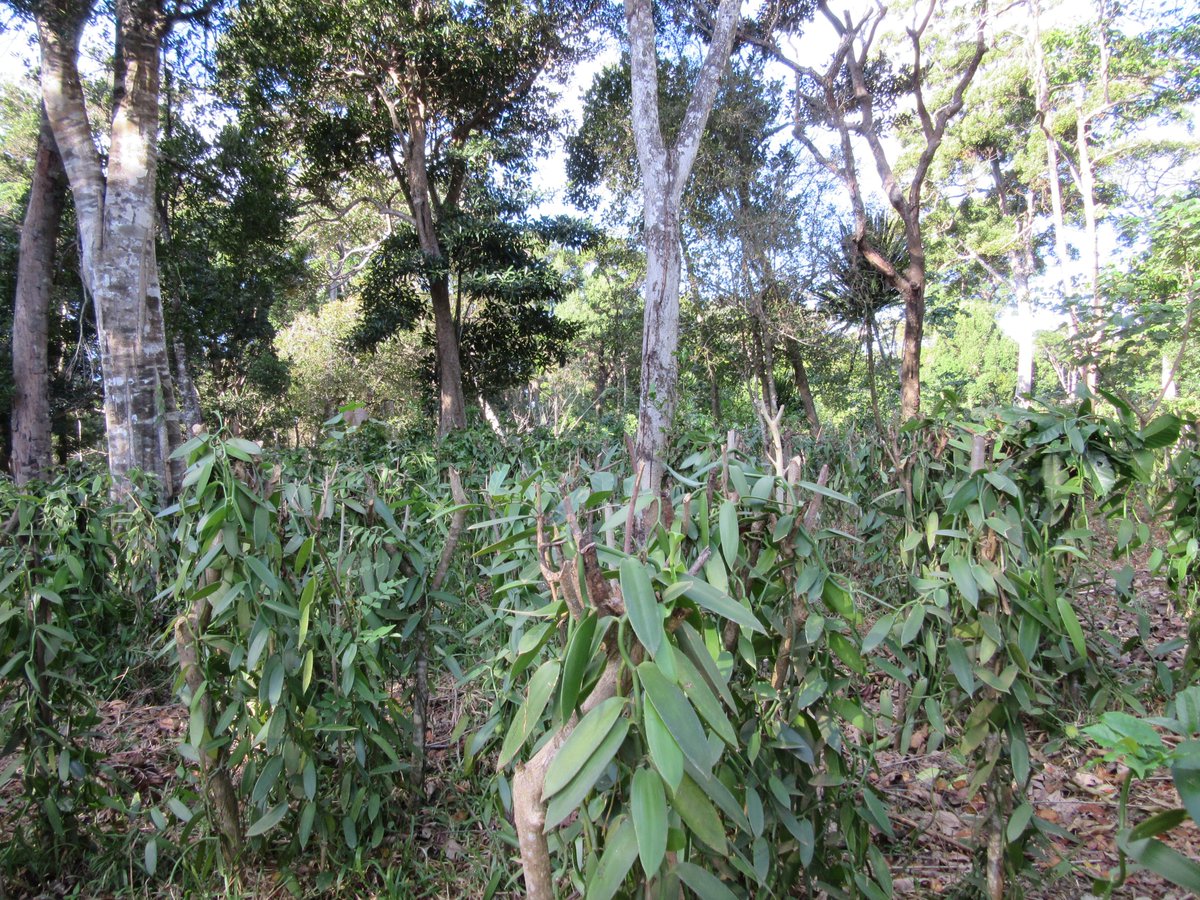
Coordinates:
<point>431,94</point>
<point>855,96</point>
<point>31,431</point>
<point>664,172</point>
<point>114,205</point>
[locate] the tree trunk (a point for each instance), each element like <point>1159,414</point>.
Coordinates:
<point>190,410</point>
<point>31,433</point>
<point>800,375</point>
<point>664,172</point>
<point>116,214</point>
<point>910,359</point>
<point>660,340</point>
<point>452,414</point>
<point>1087,191</point>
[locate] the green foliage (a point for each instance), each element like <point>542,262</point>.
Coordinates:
<point>1136,742</point>
<point>309,606</point>
<point>736,651</point>
<point>505,297</point>
<point>79,574</point>
<point>973,357</point>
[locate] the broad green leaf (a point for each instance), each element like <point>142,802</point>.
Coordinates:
<point>960,665</point>
<point>620,850</point>
<point>1018,822</point>
<point>306,599</point>
<point>567,800</point>
<point>579,654</point>
<point>876,812</point>
<point>266,780</point>
<point>693,645</point>
<point>826,492</point>
<point>268,820</point>
<point>582,743</point>
<point>664,750</point>
<point>649,807</point>
<point>1162,860</point>
<point>677,714</point>
<point>912,624</point>
<point>728,524</point>
<point>1161,432</point>
<point>705,595</point>
<point>698,813</point>
<point>706,885</point>
<point>541,685</point>
<point>645,614</point>
<point>1071,623</point>
<point>1187,782</point>
<point>964,578</point>
<point>702,697</point>
<point>151,856</point>
<point>878,633</point>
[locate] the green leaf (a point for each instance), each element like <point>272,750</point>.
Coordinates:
<point>1187,782</point>
<point>1018,822</point>
<point>1162,860</point>
<point>567,800</point>
<point>705,595</point>
<point>698,813</point>
<point>702,697</point>
<point>645,614</point>
<point>878,633</point>
<point>620,850</point>
<point>268,820</point>
<point>677,714</point>
<point>730,541</point>
<point>826,492</point>
<point>582,744</point>
<point>876,812</point>
<point>266,780</point>
<point>649,807</point>
<point>306,599</point>
<point>541,686</point>
<point>664,750</point>
<point>706,885</point>
<point>1161,432</point>
<point>960,665</point>
<point>912,624</point>
<point>579,654</point>
<point>964,578</point>
<point>1071,623</point>
<point>151,855</point>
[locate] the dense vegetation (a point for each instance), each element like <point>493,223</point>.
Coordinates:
<point>377,527</point>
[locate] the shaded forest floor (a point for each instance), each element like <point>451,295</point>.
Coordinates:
<point>449,852</point>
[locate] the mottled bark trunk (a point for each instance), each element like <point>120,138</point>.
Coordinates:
<point>664,172</point>
<point>800,379</point>
<point>660,340</point>
<point>116,215</point>
<point>913,292</point>
<point>31,434</point>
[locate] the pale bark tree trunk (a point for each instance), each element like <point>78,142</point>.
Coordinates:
<point>664,172</point>
<point>31,432</point>
<point>116,214</point>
